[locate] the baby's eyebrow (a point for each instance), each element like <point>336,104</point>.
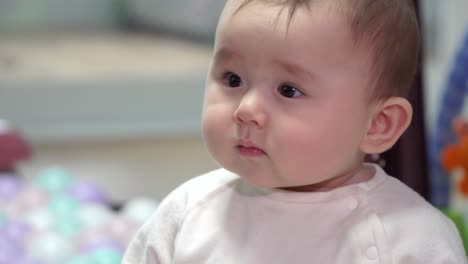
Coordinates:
<point>294,69</point>
<point>225,54</point>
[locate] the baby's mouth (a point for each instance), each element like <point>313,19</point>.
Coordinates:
<point>250,150</point>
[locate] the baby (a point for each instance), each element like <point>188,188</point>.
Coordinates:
<point>298,92</point>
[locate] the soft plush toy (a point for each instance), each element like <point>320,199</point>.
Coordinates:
<point>455,156</point>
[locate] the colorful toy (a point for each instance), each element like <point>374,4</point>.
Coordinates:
<point>455,156</point>
<point>454,159</point>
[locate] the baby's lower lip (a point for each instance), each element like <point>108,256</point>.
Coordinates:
<point>250,151</point>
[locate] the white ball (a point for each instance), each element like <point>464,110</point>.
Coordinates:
<point>50,248</point>
<point>139,209</point>
<point>92,215</point>
<point>40,219</point>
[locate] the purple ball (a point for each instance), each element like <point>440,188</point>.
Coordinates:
<point>102,243</point>
<point>87,192</point>
<point>16,231</point>
<point>10,250</point>
<point>27,260</point>
<point>10,185</point>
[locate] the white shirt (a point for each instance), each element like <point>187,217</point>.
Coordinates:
<point>219,218</point>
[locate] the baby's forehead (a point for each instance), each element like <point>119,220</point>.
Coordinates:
<point>320,22</point>
<point>356,14</point>
<point>284,12</point>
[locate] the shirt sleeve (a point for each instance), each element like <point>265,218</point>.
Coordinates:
<point>446,246</point>
<point>434,241</point>
<point>154,241</point>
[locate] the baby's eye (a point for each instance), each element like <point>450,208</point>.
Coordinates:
<point>289,91</point>
<point>232,79</point>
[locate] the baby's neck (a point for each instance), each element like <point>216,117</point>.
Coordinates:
<point>360,174</point>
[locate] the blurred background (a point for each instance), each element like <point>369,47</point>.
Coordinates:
<point>100,104</point>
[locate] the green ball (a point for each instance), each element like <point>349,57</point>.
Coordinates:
<point>54,180</point>
<point>63,206</point>
<point>106,256</point>
<point>3,219</point>
<point>79,260</point>
<point>68,227</point>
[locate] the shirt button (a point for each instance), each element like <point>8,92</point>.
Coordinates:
<point>372,253</point>
<point>352,203</point>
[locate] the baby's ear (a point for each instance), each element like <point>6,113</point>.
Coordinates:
<point>390,119</point>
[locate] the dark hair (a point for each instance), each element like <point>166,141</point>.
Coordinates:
<point>389,26</point>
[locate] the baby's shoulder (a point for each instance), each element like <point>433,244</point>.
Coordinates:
<point>410,223</point>
<point>394,198</point>
<point>203,187</point>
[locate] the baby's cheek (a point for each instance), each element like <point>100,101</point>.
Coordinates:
<point>214,125</point>
<point>208,125</point>
<point>215,137</point>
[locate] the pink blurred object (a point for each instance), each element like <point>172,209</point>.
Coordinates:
<point>87,235</point>
<point>25,201</point>
<point>13,147</point>
<point>122,229</point>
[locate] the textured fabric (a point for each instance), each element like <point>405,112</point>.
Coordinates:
<point>218,218</point>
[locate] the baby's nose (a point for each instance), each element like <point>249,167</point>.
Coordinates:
<point>251,110</point>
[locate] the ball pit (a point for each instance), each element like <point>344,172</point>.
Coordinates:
<point>10,185</point>
<point>57,218</point>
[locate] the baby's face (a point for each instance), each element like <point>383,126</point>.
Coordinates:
<point>286,109</point>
